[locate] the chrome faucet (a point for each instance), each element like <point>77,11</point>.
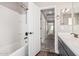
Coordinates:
<point>75,35</point>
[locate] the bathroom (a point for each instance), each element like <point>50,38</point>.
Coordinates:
<point>19,18</point>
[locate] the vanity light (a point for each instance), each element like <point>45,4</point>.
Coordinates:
<point>65,10</point>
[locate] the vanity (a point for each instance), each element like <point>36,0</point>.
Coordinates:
<point>68,45</point>
<point>68,30</point>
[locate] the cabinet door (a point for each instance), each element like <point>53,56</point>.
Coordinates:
<point>61,49</point>
<point>69,52</point>
<point>65,48</point>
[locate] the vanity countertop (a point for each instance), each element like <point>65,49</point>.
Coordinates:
<point>71,42</point>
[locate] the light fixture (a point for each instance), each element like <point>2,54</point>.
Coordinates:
<point>50,12</point>
<point>65,10</point>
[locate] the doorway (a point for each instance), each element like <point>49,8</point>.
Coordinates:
<point>47,29</point>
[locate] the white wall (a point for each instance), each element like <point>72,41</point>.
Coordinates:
<point>21,52</point>
<point>11,35</point>
<point>65,28</point>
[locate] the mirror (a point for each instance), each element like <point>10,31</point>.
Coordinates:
<point>76,17</point>
<point>76,13</point>
<point>69,18</point>
<point>66,17</point>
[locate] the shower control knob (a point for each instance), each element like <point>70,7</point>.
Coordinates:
<point>25,41</point>
<point>30,33</point>
<point>26,33</point>
<point>26,38</point>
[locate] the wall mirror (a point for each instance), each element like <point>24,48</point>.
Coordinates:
<point>75,9</point>
<point>76,19</point>
<point>76,12</point>
<point>66,16</point>
<point>69,18</point>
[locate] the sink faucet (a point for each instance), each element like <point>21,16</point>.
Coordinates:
<point>75,35</point>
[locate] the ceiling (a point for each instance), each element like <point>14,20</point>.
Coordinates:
<point>48,14</point>
<point>52,4</point>
<point>45,4</point>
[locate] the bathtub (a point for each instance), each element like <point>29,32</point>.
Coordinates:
<point>21,52</point>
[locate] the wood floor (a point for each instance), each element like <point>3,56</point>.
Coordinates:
<point>46,53</point>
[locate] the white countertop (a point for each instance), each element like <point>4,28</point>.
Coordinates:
<point>71,42</point>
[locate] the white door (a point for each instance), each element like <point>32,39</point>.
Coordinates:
<point>33,21</point>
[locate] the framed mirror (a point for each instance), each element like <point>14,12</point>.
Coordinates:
<point>75,6</point>
<point>66,16</point>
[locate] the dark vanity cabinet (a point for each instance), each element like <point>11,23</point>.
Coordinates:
<point>61,49</point>
<point>64,49</point>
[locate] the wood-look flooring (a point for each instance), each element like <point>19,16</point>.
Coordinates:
<point>46,53</point>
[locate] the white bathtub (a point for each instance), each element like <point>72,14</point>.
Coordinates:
<point>21,52</point>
